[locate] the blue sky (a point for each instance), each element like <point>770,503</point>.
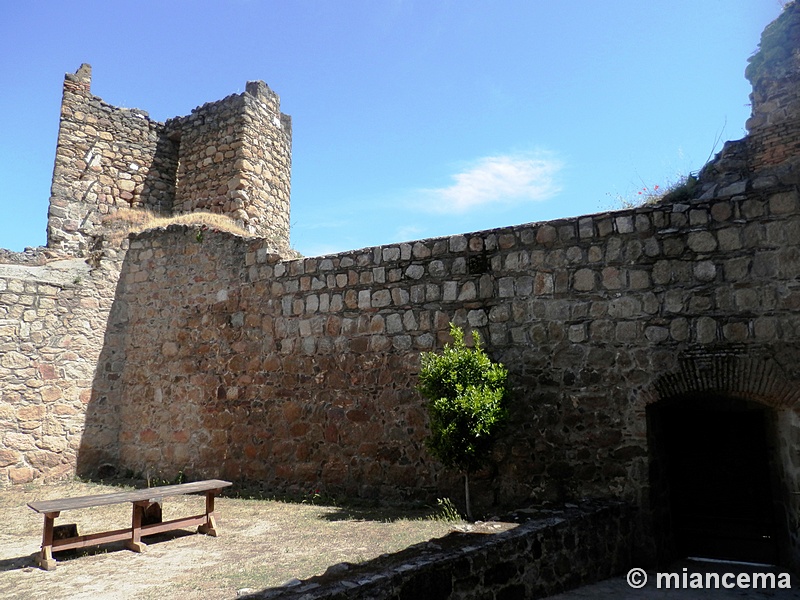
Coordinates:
<point>411,118</point>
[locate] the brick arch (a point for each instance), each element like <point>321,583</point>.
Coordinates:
<point>756,378</point>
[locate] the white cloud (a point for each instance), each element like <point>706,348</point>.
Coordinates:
<point>505,179</point>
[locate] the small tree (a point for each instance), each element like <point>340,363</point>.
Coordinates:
<point>466,395</point>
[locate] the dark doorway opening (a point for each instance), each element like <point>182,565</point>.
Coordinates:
<point>711,476</point>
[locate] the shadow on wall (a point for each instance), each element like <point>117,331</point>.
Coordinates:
<point>98,454</point>
<point>158,190</point>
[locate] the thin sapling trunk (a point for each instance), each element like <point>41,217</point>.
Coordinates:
<point>466,495</point>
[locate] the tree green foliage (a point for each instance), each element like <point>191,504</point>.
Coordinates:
<point>466,395</point>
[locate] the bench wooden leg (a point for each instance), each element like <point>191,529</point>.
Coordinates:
<point>44,559</point>
<point>210,526</point>
<point>135,543</point>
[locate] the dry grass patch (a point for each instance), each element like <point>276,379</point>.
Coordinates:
<point>130,220</point>
<point>261,544</point>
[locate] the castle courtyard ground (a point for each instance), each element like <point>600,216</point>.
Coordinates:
<point>261,544</point>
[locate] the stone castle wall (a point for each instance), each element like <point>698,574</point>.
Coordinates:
<point>303,373</point>
<point>52,319</point>
<point>207,353</point>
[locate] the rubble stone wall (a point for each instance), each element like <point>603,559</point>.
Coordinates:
<point>211,355</point>
<point>52,321</point>
<point>302,373</point>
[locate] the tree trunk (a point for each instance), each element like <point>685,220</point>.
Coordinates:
<point>466,494</point>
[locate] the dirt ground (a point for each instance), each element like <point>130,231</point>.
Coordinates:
<point>261,544</point>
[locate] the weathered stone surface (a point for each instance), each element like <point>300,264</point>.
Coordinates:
<point>212,355</point>
<point>362,358</point>
<point>50,361</point>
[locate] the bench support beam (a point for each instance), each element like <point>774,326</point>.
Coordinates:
<point>135,543</point>
<point>45,558</point>
<point>210,526</point>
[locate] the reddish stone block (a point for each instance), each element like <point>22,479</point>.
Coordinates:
<point>359,345</point>
<point>21,474</point>
<point>357,416</point>
<point>29,413</point>
<point>47,371</point>
<point>148,436</point>
<point>299,429</point>
<point>181,436</point>
<point>8,457</point>
<point>292,412</point>
<point>284,471</point>
<point>331,433</point>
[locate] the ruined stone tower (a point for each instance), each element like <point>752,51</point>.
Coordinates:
<point>230,157</point>
<point>772,146</point>
<point>774,72</point>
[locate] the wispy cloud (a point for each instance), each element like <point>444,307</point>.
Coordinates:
<point>407,232</point>
<point>493,180</point>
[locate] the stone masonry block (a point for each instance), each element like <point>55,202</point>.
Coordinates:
<point>702,241</point>
<point>400,297</point>
<point>468,292</point>
<point>705,271</point>
<point>586,228</point>
<point>729,239</point>
<point>657,334</point>
<point>639,279</point>
<point>546,235</point>
<point>705,330</point>
<point>380,298</point>
<point>735,332</point>
<point>765,328</point>
<point>9,457</point>
<point>437,268</point>
<point>577,333</point>
<point>505,288</point>
<point>449,291</point>
<point>433,292</point>
<point>584,280</point>
<point>679,329</point>
<point>415,271</point>
<point>457,243</point>
<point>784,203</point>
<point>612,278</point>
<point>624,224</point>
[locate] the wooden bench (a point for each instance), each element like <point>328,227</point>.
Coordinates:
<point>132,536</point>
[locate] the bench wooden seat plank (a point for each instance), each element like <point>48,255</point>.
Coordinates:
<point>47,506</point>
<point>140,500</point>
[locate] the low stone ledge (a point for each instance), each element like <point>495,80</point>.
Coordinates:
<point>32,256</point>
<point>550,551</point>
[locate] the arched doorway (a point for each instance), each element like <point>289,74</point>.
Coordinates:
<point>713,478</point>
